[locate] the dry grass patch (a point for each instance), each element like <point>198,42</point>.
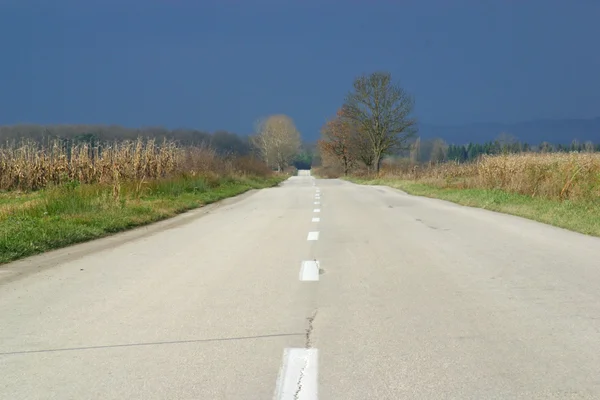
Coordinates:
<point>557,176</point>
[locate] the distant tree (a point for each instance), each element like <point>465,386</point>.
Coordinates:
<point>588,147</point>
<point>229,143</point>
<point>381,111</point>
<point>506,142</point>
<point>439,151</point>
<point>415,150</point>
<point>338,142</point>
<point>575,146</point>
<point>305,156</point>
<point>277,140</point>
<point>545,147</point>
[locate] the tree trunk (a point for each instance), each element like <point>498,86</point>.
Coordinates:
<point>377,163</point>
<point>345,161</point>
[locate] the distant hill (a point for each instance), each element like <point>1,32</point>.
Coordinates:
<point>558,131</point>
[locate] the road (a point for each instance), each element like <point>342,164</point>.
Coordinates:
<point>393,297</point>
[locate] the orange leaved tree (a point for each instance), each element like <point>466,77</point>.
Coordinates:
<point>338,142</point>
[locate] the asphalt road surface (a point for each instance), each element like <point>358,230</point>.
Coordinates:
<point>315,289</point>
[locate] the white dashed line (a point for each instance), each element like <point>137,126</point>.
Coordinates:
<point>298,375</point>
<point>316,219</point>
<point>313,236</point>
<point>317,203</point>
<point>317,210</point>
<point>309,271</point>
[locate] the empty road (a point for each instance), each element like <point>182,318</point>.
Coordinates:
<point>315,289</point>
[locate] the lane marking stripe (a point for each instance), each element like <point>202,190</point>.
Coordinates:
<point>317,210</point>
<point>313,236</point>
<point>298,375</point>
<point>309,271</point>
<point>317,203</point>
<point>316,219</point>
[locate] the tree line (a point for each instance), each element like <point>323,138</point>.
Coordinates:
<point>437,150</point>
<point>276,141</point>
<point>223,142</point>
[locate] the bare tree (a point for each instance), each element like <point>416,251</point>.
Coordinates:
<point>415,151</point>
<point>381,110</point>
<point>277,140</point>
<point>439,151</point>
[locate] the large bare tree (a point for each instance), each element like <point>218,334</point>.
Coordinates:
<point>277,140</point>
<point>382,112</point>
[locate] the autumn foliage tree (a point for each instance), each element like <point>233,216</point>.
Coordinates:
<point>337,142</point>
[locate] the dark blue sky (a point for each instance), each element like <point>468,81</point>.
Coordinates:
<point>221,64</point>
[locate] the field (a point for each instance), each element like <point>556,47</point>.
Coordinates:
<point>54,195</point>
<point>561,189</point>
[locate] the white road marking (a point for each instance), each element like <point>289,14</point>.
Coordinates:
<point>317,203</point>
<point>298,375</point>
<point>318,191</point>
<point>317,210</point>
<point>309,271</point>
<point>313,236</point>
<point>316,219</point>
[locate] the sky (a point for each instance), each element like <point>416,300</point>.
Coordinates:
<point>223,64</point>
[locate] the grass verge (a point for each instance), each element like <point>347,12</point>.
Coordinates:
<point>33,223</point>
<point>583,217</point>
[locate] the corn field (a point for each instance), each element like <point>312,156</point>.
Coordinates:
<point>559,176</point>
<point>31,165</point>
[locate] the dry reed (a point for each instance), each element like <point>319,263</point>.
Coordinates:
<point>559,176</point>
<point>31,165</point>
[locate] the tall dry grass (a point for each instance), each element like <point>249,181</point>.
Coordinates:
<point>31,165</point>
<point>559,176</point>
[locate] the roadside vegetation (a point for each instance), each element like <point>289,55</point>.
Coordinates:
<point>60,190</point>
<point>373,140</point>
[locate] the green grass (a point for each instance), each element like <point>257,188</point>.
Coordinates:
<point>33,223</point>
<point>583,217</point>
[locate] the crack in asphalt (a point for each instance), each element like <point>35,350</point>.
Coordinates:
<point>309,329</point>
<point>308,345</point>
<point>6,353</point>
